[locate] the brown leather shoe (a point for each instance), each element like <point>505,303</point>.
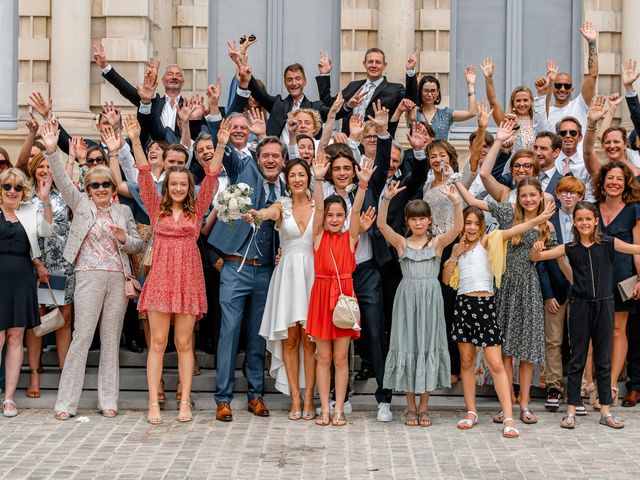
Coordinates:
<point>631,399</point>
<point>258,408</point>
<point>223,412</point>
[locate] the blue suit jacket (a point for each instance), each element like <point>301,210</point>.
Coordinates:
<point>229,242</point>
<point>553,283</point>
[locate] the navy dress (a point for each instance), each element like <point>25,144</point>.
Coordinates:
<point>18,295</point>
<point>621,227</point>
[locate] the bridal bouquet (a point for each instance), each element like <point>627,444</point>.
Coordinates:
<point>234,203</point>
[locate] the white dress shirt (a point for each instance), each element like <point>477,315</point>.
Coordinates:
<point>578,170</point>
<point>169,112</point>
<point>566,222</point>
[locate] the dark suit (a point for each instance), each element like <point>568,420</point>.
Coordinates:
<point>507,180</point>
<point>247,287</point>
<point>389,94</point>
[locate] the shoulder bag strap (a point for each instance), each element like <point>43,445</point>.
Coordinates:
<point>337,271</point>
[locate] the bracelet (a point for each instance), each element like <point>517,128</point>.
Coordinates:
<point>363,186</point>
<point>593,129</point>
<point>453,262</point>
<point>388,199</point>
<point>114,154</point>
<point>321,179</point>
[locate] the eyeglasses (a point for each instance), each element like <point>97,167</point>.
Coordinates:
<point>522,166</point>
<point>7,187</point>
<point>97,185</point>
<point>370,138</point>
<point>563,133</point>
<point>559,85</point>
<point>430,91</point>
<point>99,160</point>
<point>565,193</point>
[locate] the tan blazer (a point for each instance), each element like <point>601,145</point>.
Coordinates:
<point>84,216</point>
<point>35,225</point>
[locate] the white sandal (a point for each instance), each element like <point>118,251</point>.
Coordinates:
<point>467,423</point>
<point>507,429</point>
<point>9,412</point>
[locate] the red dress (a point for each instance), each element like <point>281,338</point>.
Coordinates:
<point>176,281</point>
<point>325,290</point>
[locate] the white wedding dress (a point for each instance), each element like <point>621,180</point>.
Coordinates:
<point>289,291</point>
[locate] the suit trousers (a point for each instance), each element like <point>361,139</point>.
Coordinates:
<point>99,297</point>
<point>367,284</point>
<point>590,320</point>
<point>553,334</point>
<point>633,354</point>
<point>246,288</point>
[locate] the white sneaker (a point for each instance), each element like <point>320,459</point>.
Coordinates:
<point>347,407</point>
<point>384,412</point>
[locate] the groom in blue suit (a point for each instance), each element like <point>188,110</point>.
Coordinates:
<point>246,286</point>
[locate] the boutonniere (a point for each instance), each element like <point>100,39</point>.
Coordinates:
<point>351,188</point>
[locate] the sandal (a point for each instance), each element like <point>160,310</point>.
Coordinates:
<point>614,396</point>
<point>12,411</point>
<point>196,371</point>
<point>154,419</point>
<point>423,419</point>
<point>339,419</point>
<point>185,417</point>
<point>568,421</point>
<point>468,423</point>
<point>411,418</point>
<point>109,413</point>
<point>294,415</point>
<point>610,421</point>
<point>35,393</point>
<point>527,417</point>
<point>178,392</point>
<point>323,419</point>
<point>498,417</point>
<point>509,431</point>
<point>63,416</point>
<point>162,397</point>
<point>308,415</point>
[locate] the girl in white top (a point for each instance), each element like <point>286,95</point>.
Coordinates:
<point>471,269</point>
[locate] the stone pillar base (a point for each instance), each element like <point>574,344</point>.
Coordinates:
<point>77,123</point>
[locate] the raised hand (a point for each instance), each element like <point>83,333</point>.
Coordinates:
<point>244,76</point>
<point>132,127</point>
<point>507,129</point>
<point>412,60</point>
<point>470,75</point>
<point>460,249</point>
<point>451,193</point>
<point>248,41</point>
<point>367,218</point>
<point>110,138</point>
<point>417,139</point>
<point>542,85</point>
<point>596,109</point>
<point>50,134</point>
<point>340,138</point>
<point>614,101</point>
<point>112,114</point>
<point>45,185</point>
<point>41,105</point>
<point>99,57</point>
<point>325,64</point>
<point>357,98</point>
<point>487,66</point>
<point>589,31</point>
<point>547,213</point>
<point>629,74</point>
<point>78,146</point>
<point>393,189</point>
<point>552,70</point>
<point>366,170</point>
<point>406,105</point>
<point>32,124</point>
<point>149,84</point>
<point>337,105</point>
<point>381,115</point>
<point>257,123</point>
<point>356,125</point>
<point>320,167</point>
<point>292,126</point>
<point>224,132</point>
<point>213,95</point>
<point>484,114</point>
<point>185,110</point>
<point>235,54</point>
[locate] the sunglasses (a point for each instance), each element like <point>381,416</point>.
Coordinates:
<point>97,185</point>
<point>523,166</point>
<point>563,133</point>
<point>7,187</point>
<point>559,85</point>
<point>99,160</point>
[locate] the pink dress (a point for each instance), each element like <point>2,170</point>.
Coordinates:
<point>176,281</point>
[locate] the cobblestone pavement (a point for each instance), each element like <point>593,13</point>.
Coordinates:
<point>35,445</point>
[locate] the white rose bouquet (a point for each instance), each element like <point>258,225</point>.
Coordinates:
<point>234,203</point>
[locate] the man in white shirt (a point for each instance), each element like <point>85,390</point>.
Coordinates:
<point>570,161</point>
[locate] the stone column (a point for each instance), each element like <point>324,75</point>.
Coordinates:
<point>396,32</point>
<point>71,62</point>
<point>630,46</point>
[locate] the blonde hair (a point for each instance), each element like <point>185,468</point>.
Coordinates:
<point>19,178</point>
<point>99,172</point>
<point>315,116</point>
<point>512,99</point>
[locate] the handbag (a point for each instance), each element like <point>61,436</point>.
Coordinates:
<point>147,259</point>
<point>51,320</point>
<point>132,286</point>
<point>346,313</point>
<point>626,288</point>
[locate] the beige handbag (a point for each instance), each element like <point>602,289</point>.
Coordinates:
<point>51,320</point>
<point>132,286</point>
<point>346,313</point>
<point>626,287</point>
<point>147,259</point>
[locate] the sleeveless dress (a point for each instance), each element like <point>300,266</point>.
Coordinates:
<point>325,290</point>
<point>288,297</point>
<point>418,358</point>
<point>176,281</point>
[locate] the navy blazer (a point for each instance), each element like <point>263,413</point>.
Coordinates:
<point>507,180</point>
<point>230,241</point>
<point>553,283</point>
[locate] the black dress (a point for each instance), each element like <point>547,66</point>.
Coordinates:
<point>18,295</point>
<point>621,227</point>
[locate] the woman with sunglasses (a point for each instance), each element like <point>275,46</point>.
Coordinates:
<point>101,237</point>
<point>5,163</point>
<point>20,225</point>
<point>441,119</point>
<point>53,261</point>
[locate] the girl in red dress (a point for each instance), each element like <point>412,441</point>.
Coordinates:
<point>328,237</point>
<point>175,285</point>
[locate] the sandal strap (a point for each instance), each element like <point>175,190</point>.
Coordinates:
<point>153,405</point>
<point>9,402</point>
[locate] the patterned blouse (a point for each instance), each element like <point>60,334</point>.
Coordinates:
<point>441,121</point>
<point>99,250</point>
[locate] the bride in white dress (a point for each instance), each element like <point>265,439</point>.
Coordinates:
<point>285,312</point>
